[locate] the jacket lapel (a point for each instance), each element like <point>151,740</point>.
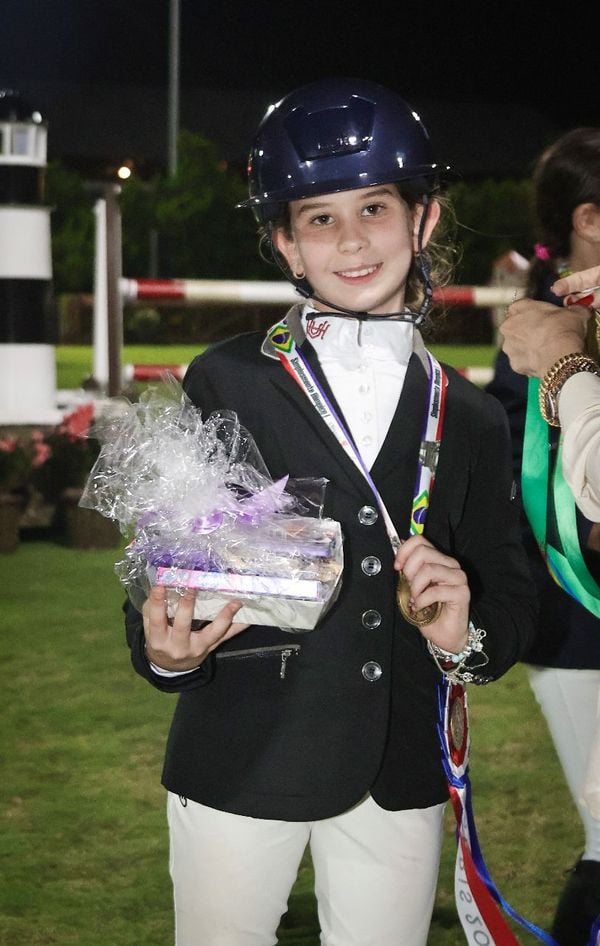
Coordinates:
<point>400,450</point>
<point>288,387</point>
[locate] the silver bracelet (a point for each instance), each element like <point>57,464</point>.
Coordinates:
<point>453,665</point>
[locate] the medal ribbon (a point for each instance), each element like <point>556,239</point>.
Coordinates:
<point>298,367</point>
<point>540,486</point>
<point>477,897</point>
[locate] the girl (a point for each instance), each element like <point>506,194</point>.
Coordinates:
<point>329,738</point>
<point>564,663</point>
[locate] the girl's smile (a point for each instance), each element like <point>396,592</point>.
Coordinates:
<point>360,275</point>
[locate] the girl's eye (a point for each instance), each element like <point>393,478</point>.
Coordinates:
<point>371,210</point>
<point>321,219</point>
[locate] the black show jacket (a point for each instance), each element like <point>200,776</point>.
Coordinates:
<point>302,726</point>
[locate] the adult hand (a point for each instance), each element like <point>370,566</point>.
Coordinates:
<point>174,645</point>
<point>572,286</point>
<point>433,577</point>
<point>537,334</point>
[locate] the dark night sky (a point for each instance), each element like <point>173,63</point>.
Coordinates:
<point>491,52</point>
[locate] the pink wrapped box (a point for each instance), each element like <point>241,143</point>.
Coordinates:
<point>293,602</point>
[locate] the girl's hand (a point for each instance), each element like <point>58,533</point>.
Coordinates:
<point>174,645</point>
<point>433,577</point>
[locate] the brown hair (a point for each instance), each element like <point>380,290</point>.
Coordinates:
<point>566,175</point>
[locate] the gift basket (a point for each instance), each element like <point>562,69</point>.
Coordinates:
<point>201,512</point>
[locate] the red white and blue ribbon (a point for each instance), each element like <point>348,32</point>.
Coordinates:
<point>477,898</point>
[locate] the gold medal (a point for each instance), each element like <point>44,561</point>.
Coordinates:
<point>423,616</point>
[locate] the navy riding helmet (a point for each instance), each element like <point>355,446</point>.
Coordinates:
<point>334,135</point>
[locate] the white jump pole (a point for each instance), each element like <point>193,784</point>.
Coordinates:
<point>100,330</point>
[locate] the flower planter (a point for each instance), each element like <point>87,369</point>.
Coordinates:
<point>11,506</point>
<point>86,528</point>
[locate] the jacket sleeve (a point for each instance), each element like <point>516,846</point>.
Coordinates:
<point>503,597</point>
<point>579,411</point>
<point>134,630</point>
<point>510,389</point>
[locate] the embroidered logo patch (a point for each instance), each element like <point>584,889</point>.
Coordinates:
<point>281,337</point>
<point>316,329</point>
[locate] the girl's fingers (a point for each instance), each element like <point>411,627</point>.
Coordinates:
<point>223,626</point>
<point>172,644</point>
<point>434,575</point>
<point>184,613</point>
<point>154,608</point>
<point>417,551</point>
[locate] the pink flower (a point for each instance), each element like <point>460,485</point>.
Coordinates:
<point>8,445</point>
<point>77,424</point>
<point>41,452</point>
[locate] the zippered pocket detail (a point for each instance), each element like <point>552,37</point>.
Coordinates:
<point>283,651</point>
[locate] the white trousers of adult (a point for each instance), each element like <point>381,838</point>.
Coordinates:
<point>375,874</point>
<point>569,702</point>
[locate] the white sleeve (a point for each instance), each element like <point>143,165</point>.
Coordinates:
<point>170,673</point>
<point>579,414</point>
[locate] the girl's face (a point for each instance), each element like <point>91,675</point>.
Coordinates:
<point>355,247</point>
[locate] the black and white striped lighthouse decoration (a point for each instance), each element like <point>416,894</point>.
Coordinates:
<point>27,320</point>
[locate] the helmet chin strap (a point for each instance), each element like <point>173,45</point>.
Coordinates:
<point>406,315</point>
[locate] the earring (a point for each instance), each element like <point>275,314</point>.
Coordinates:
<point>299,275</point>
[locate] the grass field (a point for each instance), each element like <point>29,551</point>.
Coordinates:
<point>83,841</point>
<point>74,362</point>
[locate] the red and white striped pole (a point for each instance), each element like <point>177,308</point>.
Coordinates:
<point>265,292</point>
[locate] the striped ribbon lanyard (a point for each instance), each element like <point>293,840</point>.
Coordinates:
<point>298,367</point>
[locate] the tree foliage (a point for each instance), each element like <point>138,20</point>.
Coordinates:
<point>200,234</point>
<point>73,230</point>
<point>492,217</point>
<point>188,226</point>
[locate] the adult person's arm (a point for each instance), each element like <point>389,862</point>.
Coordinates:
<point>545,341</point>
<point>579,404</point>
<point>579,414</point>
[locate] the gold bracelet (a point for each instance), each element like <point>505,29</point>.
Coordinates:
<point>554,379</point>
<point>592,338</point>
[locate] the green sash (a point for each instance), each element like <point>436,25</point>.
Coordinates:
<point>544,490</point>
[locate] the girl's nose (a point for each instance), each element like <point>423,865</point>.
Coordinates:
<point>352,237</point>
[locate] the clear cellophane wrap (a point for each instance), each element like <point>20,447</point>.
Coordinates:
<point>195,499</point>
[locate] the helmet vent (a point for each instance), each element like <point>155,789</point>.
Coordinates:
<point>329,132</point>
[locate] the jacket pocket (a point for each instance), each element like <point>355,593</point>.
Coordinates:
<point>278,653</point>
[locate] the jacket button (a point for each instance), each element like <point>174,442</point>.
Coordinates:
<point>371,565</point>
<point>371,671</point>
<point>371,619</point>
<point>367,515</point>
